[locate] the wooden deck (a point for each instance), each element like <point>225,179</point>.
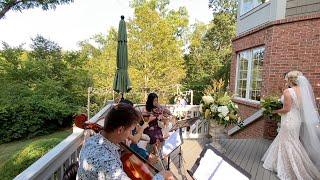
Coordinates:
<point>246,153</point>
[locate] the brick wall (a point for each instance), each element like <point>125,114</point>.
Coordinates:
<point>290,44</point>
<point>293,46</point>
<point>254,130</point>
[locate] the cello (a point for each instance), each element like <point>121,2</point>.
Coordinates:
<point>136,167</point>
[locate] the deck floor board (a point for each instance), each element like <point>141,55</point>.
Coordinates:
<point>246,153</point>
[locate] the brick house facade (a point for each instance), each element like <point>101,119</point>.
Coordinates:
<point>292,43</point>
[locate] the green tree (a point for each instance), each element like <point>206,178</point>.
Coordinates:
<point>155,46</point>
<point>101,66</point>
<point>42,89</point>
<point>19,5</point>
<point>210,49</point>
<point>197,70</point>
<point>224,6</point>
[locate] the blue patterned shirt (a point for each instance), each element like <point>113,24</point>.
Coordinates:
<point>100,159</point>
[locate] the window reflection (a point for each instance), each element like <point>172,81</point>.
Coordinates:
<point>247,5</point>
<point>249,79</point>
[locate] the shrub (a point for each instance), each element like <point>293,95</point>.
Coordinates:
<point>41,89</point>
<point>26,113</point>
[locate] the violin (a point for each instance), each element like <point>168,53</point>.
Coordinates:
<point>157,111</point>
<point>136,167</point>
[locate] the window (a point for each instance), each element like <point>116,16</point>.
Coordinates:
<point>247,5</point>
<point>249,76</point>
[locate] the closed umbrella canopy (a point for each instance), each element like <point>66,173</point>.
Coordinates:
<point>121,81</point>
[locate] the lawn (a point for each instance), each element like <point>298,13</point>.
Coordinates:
<point>17,156</point>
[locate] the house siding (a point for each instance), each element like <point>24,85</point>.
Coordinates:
<point>264,13</point>
<point>302,7</point>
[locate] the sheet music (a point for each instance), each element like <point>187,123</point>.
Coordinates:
<point>213,166</point>
<point>172,142</point>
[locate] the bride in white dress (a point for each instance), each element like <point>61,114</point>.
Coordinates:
<point>295,152</point>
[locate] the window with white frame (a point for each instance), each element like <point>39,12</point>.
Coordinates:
<point>249,76</point>
<point>247,5</point>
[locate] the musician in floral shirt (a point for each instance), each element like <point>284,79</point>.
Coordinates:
<point>99,156</point>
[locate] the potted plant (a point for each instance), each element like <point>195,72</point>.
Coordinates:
<point>219,110</point>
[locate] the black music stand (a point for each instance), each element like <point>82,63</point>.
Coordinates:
<point>170,145</point>
<point>184,123</point>
<point>214,165</point>
<point>178,127</point>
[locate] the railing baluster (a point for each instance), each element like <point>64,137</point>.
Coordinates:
<point>59,173</point>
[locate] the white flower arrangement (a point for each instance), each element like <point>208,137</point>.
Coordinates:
<point>223,110</point>
<point>219,107</point>
<point>207,99</point>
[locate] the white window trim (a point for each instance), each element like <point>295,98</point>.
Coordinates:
<point>249,72</point>
<point>261,6</point>
<point>241,13</point>
<point>246,99</point>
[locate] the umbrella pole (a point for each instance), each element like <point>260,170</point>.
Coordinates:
<point>122,96</point>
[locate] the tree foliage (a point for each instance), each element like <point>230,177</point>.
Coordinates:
<point>224,6</point>
<point>155,46</point>
<point>210,49</point>
<point>101,67</point>
<point>19,5</point>
<point>43,89</point>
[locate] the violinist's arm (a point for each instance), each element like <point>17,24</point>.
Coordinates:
<point>152,118</point>
<point>167,111</point>
<point>136,138</point>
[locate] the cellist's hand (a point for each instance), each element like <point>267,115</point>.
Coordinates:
<point>153,159</point>
<point>167,175</point>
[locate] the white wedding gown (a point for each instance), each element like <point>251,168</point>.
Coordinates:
<point>286,155</point>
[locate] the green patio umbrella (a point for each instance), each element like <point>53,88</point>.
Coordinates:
<point>121,83</point>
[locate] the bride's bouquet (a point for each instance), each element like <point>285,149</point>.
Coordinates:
<point>269,104</point>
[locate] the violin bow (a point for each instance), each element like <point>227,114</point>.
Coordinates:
<point>160,156</point>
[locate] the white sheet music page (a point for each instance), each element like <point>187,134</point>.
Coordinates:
<point>171,143</point>
<point>213,166</point>
<point>208,163</point>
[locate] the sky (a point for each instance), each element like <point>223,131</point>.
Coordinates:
<point>80,20</point>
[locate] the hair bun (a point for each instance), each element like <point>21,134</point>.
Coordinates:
<point>293,77</point>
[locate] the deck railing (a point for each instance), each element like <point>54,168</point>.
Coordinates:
<point>199,128</point>
<point>53,164</point>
